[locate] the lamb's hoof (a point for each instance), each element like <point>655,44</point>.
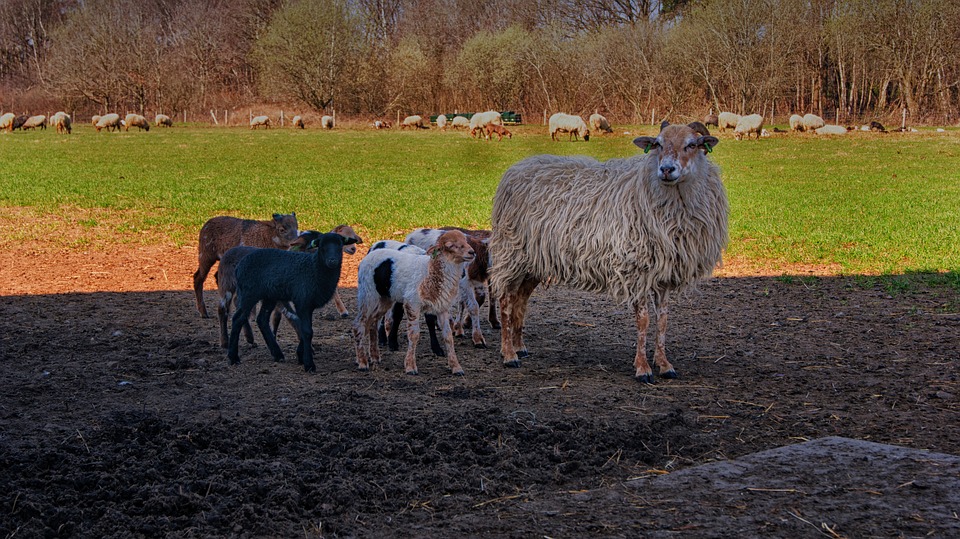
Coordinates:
<point>345,315</point>
<point>204,315</point>
<point>495,326</point>
<point>278,359</point>
<point>512,364</point>
<point>479,345</point>
<point>413,372</point>
<point>645,378</point>
<point>234,361</point>
<point>671,374</point>
<point>311,368</point>
<point>439,353</point>
<point>458,373</point>
<point>363,369</point>
<point>522,354</point>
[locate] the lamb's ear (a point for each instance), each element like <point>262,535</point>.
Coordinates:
<point>645,143</point>
<point>277,217</point>
<point>664,124</point>
<point>349,241</point>
<point>708,143</point>
<point>314,244</point>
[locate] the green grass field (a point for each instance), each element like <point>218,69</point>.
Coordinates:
<point>866,204</point>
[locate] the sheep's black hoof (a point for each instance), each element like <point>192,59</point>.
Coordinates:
<point>645,378</point>
<point>495,326</point>
<point>522,354</point>
<point>671,374</point>
<point>458,373</point>
<point>439,352</point>
<point>278,359</point>
<point>345,315</point>
<point>311,368</point>
<point>234,361</point>
<point>479,345</point>
<point>512,364</point>
<point>413,373</point>
<point>363,369</point>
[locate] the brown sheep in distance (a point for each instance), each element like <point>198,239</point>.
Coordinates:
<point>658,221</point>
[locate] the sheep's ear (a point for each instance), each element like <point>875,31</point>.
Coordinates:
<point>699,128</point>
<point>664,124</point>
<point>645,143</point>
<point>277,217</point>
<point>708,143</point>
<point>349,241</point>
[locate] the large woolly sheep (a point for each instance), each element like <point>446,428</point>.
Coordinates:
<point>657,222</point>
<point>831,130</point>
<point>812,122</point>
<point>35,121</point>
<point>109,122</point>
<point>6,121</point>
<point>727,120</point>
<point>62,123</point>
<point>751,123</point>
<point>568,123</point>
<point>460,122</point>
<point>479,121</point>
<point>260,121</point>
<point>135,120</point>
<point>162,120</point>
<point>326,122</point>
<point>796,122</point>
<point>298,123</point>
<point>598,122</point>
<point>414,122</point>
<point>422,283</point>
<point>272,276</point>
<point>442,122</point>
<point>223,232</point>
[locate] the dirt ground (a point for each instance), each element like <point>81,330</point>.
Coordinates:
<point>120,417</point>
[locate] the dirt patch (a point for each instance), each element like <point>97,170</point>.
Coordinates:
<point>120,416</point>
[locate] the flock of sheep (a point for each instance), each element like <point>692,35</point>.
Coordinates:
<point>550,224</point>
<point>64,124</point>
<point>752,124</point>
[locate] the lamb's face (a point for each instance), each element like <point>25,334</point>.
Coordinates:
<point>454,245</point>
<point>347,232</point>
<point>677,149</point>
<point>286,226</point>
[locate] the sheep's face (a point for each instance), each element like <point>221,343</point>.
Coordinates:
<point>677,148</point>
<point>286,226</point>
<point>330,248</point>
<point>454,245</point>
<point>347,232</point>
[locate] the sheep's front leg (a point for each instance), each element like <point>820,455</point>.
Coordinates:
<point>305,333</point>
<point>413,337</point>
<point>644,372</point>
<point>338,302</point>
<point>473,308</point>
<point>661,300</point>
<point>263,322</point>
<point>447,334</point>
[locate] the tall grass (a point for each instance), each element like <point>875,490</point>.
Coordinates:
<point>863,203</point>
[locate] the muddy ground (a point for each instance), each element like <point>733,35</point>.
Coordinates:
<point>120,417</point>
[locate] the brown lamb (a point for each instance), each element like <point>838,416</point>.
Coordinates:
<point>221,233</point>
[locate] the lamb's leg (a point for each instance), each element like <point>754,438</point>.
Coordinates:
<point>447,334</point>
<point>263,322</point>
<point>205,263</point>
<point>361,339</point>
<point>644,372</point>
<point>393,339</point>
<point>494,322</point>
<point>338,302</point>
<point>432,331</point>
<point>661,300</point>
<point>473,307</point>
<point>223,311</point>
<point>240,316</point>
<point>413,337</point>
<point>305,348</point>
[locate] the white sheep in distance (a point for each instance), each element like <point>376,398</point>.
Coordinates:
<point>751,123</point>
<point>727,120</point>
<point>413,122</point>
<point>162,120</point>
<point>6,121</point>
<point>479,121</point>
<point>568,123</point>
<point>94,120</point>
<point>442,122</point>
<point>460,122</point>
<point>422,283</point>
<point>297,122</point>
<point>62,123</point>
<point>658,222</point>
<point>812,122</point>
<point>35,121</point>
<point>258,121</point>
<point>108,122</point>
<point>831,130</point>
<point>136,120</point>
<point>381,124</point>
<point>598,122</point>
<point>326,122</point>
<point>796,122</point>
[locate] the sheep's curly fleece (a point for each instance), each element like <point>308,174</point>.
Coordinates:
<point>609,227</point>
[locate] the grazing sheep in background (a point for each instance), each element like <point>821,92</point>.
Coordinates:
<point>499,130</point>
<point>62,123</point>
<point>271,276</point>
<point>831,130</point>
<point>479,122</point>
<point>812,122</point>
<point>568,123</point>
<point>108,122</point>
<point>414,122</point>
<point>94,120</point>
<point>796,123</point>
<point>877,127</point>
<point>381,124</point>
<point>658,222</point>
<point>599,123</point>
<point>19,121</point>
<point>223,232</point>
<point>752,123</point>
<point>460,122</point>
<point>711,119</point>
<point>297,123</point>
<point>136,120</point>
<point>727,120</point>
<point>442,122</point>
<point>258,121</point>
<point>162,120</point>
<point>422,283</point>
<point>326,122</point>
<point>35,121</point>
<point>6,121</point>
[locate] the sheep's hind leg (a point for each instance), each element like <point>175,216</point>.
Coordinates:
<point>263,322</point>
<point>338,303</point>
<point>305,333</point>
<point>447,334</point>
<point>413,336</point>
<point>520,314</point>
<point>513,308</point>
<point>205,263</point>
<point>644,372</point>
<point>660,353</point>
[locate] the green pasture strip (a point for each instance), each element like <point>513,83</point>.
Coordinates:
<point>865,203</point>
